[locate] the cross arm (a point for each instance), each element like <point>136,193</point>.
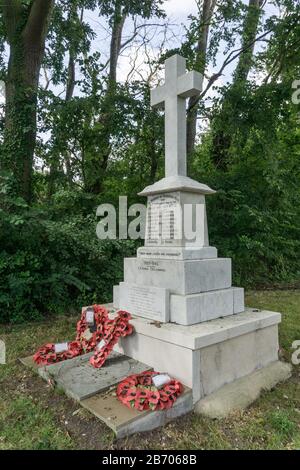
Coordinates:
<point>158,96</point>
<point>189,84</point>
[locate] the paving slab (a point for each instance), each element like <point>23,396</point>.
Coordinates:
<point>124,421</point>
<point>80,380</point>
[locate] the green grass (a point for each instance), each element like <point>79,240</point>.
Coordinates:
<point>29,426</point>
<point>34,416</point>
<point>288,304</point>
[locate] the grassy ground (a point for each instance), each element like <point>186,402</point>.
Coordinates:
<point>34,416</point>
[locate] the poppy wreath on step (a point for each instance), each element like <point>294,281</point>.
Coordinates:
<point>117,328</point>
<point>101,319</point>
<point>86,340</point>
<point>138,391</point>
<point>46,354</point>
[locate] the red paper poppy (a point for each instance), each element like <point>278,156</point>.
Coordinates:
<point>140,403</point>
<point>131,395</point>
<point>154,397</point>
<point>124,314</point>
<point>171,389</point>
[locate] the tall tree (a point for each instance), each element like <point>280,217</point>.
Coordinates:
<point>71,31</point>
<point>207,10</point>
<point>26,24</point>
<point>99,161</point>
<point>117,12</point>
<point>250,28</point>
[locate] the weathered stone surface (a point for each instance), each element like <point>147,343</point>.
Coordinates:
<point>225,362</point>
<point>238,299</point>
<point>80,380</point>
<point>242,392</point>
<point>124,421</point>
<point>180,277</point>
<point>207,333</point>
<point>206,306</point>
<point>176,219</point>
<point>197,308</point>
<point>145,301</point>
<point>208,355</point>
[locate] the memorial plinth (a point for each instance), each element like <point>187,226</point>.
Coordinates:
<point>177,276</point>
<point>189,320</point>
<point>208,355</point>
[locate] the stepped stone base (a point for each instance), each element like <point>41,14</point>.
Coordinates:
<point>155,303</point>
<point>198,308</point>
<point>209,355</point>
<point>185,291</point>
<point>224,364</point>
<point>93,389</point>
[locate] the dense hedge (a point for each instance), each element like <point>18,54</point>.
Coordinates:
<point>254,218</point>
<point>53,265</point>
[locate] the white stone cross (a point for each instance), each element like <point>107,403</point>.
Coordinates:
<point>178,86</point>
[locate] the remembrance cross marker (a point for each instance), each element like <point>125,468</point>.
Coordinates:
<point>178,86</point>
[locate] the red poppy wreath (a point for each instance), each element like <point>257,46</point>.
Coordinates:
<point>138,391</point>
<point>95,332</point>
<point>114,329</point>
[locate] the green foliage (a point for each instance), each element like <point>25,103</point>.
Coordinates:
<point>281,422</point>
<point>145,9</point>
<point>251,156</point>
<point>51,260</point>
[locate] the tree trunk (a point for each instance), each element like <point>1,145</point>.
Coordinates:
<point>71,84</point>
<point>206,15</point>
<point>248,40</point>
<point>64,156</point>
<point>26,28</point>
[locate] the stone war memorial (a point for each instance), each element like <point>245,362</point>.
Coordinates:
<point>206,338</point>
<point>188,320</point>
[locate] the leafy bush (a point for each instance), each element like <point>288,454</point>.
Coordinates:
<point>255,216</point>
<point>53,263</point>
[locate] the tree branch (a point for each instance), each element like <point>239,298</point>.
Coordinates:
<point>230,58</point>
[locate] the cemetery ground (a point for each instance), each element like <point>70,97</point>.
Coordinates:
<point>34,415</point>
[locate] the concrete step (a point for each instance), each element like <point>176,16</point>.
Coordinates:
<point>93,389</point>
<point>124,421</point>
<point>80,380</point>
